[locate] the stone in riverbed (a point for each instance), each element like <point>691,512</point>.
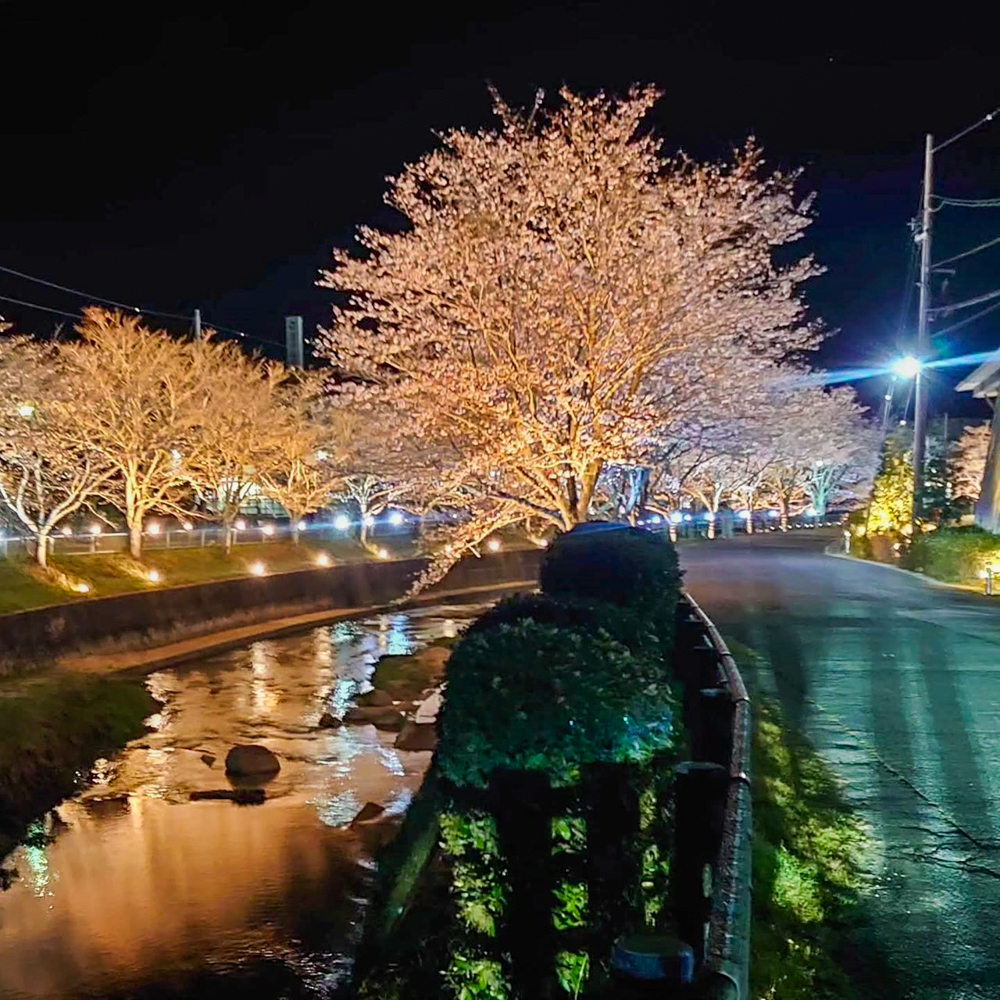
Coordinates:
<point>417,736</point>
<point>241,796</point>
<point>208,759</point>
<point>375,699</point>
<point>251,759</point>
<point>329,721</point>
<point>390,719</point>
<point>370,811</point>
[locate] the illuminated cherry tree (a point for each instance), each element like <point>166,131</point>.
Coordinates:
<point>561,295</point>
<point>47,473</point>
<point>143,412</point>
<point>969,461</point>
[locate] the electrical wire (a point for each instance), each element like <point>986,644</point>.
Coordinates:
<point>965,131</point>
<point>72,291</point>
<point>968,202</point>
<point>34,305</point>
<point>968,302</point>
<point>968,253</point>
<point>967,320</point>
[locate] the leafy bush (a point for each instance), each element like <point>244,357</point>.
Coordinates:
<point>532,697</point>
<point>623,624</point>
<point>955,554</point>
<point>627,567</point>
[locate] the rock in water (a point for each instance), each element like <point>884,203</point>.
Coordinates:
<point>328,721</point>
<point>381,718</point>
<point>417,736</point>
<point>208,759</point>
<point>369,811</point>
<point>251,759</point>
<point>241,796</point>
<point>375,699</point>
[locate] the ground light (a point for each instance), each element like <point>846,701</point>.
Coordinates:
<point>494,545</point>
<point>188,526</point>
<point>396,518</point>
<point>267,530</point>
<point>95,529</point>
<point>341,522</point>
<point>301,526</point>
<point>383,553</point>
<point>240,525</point>
<point>154,576</point>
<point>323,560</point>
<point>258,569</point>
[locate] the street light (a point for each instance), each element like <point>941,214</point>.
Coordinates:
<point>907,367</point>
<point>341,522</point>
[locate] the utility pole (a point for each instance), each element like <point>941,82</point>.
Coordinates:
<point>923,334</point>
<point>197,324</point>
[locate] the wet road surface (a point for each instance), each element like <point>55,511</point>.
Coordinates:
<point>897,683</point>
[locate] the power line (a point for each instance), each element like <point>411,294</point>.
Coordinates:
<point>967,320</point>
<point>34,305</point>
<point>968,253</point>
<point>968,202</point>
<point>965,131</point>
<point>968,302</point>
<point>72,291</point>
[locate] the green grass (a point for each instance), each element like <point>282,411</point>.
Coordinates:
<point>20,590</point>
<point>807,853</point>
<point>53,727</point>
<point>24,586</point>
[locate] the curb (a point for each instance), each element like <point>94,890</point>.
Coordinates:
<point>967,588</point>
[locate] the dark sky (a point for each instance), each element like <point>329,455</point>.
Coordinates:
<point>210,156</point>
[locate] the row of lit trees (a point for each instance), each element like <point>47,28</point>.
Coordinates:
<point>131,418</point>
<point>569,321</point>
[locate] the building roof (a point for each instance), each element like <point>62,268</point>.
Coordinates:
<point>984,382</point>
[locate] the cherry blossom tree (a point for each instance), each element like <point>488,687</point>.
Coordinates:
<point>969,461</point>
<point>46,474</point>
<point>561,297</point>
<point>143,411</point>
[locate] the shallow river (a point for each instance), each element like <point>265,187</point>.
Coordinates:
<point>146,894</point>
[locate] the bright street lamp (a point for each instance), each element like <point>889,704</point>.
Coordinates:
<point>908,367</point>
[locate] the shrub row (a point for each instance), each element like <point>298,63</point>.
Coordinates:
<point>573,676</point>
<point>955,554</point>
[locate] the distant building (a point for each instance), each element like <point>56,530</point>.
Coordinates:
<point>984,383</point>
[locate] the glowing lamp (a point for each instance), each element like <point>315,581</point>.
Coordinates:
<point>82,588</point>
<point>188,526</point>
<point>396,518</point>
<point>95,529</point>
<point>323,560</point>
<point>154,576</point>
<point>67,531</point>
<point>240,525</point>
<point>301,526</point>
<point>258,569</point>
<point>267,530</point>
<point>655,519</point>
<point>494,545</point>
<point>153,528</point>
<point>26,410</point>
<point>744,515</point>
<point>341,522</point>
<point>676,517</point>
<point>907,367</point>
<point>383,553</point>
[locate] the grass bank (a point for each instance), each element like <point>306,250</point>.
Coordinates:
<point>807,853</point>
<point>51,729</point>
<point>955,555</point>
<point>24,586</point>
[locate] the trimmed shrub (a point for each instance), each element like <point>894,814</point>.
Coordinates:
<point>955,554</point>
<point>621,624</point>
<point>529,696</point>
<point>628,567</point>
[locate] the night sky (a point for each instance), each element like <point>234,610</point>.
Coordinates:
<point>175,158</point>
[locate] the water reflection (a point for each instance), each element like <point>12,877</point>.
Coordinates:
<point>144,893</point>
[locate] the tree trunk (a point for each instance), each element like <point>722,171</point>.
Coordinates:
<point>749,517</point>
<point>227,535</point>
<point>783,506</point>
<point>363,535</point>
<point>711,524</point>
<point>135,539</point>
<point>42,549</point>
<point>293,523</point>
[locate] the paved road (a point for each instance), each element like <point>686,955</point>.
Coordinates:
<point>897,682</point>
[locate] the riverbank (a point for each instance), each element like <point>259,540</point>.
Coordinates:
<point>52,729</point>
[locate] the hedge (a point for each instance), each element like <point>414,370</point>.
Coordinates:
<point>627,567</point>
<point>530,696</point>
<point>955,554</point>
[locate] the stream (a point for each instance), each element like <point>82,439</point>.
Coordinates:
<point>142,893</point>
